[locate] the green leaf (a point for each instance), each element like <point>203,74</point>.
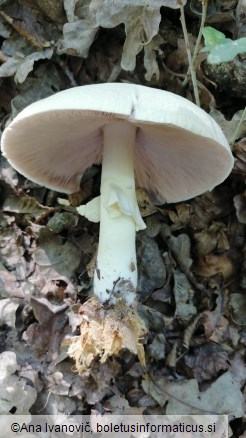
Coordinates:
<point>212,37</point>
<point>221,49</point>
<point>227,52</point>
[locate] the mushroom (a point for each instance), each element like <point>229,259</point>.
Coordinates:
<point>169,146</point>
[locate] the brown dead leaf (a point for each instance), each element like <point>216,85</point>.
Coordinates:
<point>26,205</point>
<point>240,152</point>
<point>207,99</point>
<point>212,264</point>
<point>180,248</point>
<point>207,207</point>
<point>190,330</point>
<point>180,217</point>
<point>177,60</point>
<point>104,332</point>
<point>215,324</point>
<point>58,289</point>
<point>229,127</point>
<point>209,239</point>
<point>144,203</point>
<point>91,266</point>
<point>240,206</point>
<point>207,361</point>
<point>45,336</point>
<point>76,199</point>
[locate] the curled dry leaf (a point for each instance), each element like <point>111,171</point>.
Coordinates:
<point>78,198</point>
<point>141,26</point>
<point>240,152</point>
<point>229,127</point>
<point>213,264</point>
<point>181,216</point>
<point>177,61</point>
<point>58,289</point>
<point>240,206</point>
<point>104,332</point>
<point>141,23</point>
<point>214,237</point>
<point>190,330</point>
<point>207,361</point>
<point>78,37</point>
<point>215,326</point>
<point>21,65</point>
<point>26,205</point>
<point>210,206</point>
<point>144,203</point>
<point>180,248</point>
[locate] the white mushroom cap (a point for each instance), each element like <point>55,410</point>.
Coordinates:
<point>180,151</point>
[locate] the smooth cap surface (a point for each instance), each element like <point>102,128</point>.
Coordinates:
<point>180,150</point>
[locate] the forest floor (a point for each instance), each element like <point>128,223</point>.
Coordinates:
<point>191,257</point>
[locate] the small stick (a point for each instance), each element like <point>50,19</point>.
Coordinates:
<point>198,41</point>
<point>187,43</point>
<point>30,39</point>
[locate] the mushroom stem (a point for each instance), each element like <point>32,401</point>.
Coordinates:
<point>116,271</point>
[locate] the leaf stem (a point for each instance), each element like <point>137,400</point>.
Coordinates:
<point>187,43</point>
<point>198,41</point>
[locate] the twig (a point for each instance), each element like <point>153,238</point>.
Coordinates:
<point>28,37</point>
<point>187,43</point>
<point>198,41</point>
<point>173,73</point>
